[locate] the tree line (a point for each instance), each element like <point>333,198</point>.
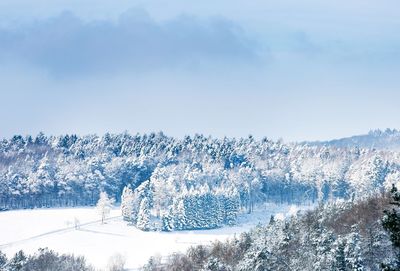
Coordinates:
<point>70,170</point>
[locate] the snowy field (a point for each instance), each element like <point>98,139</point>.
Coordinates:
<point>55,229</point>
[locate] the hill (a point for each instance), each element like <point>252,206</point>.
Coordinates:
<point>375,139</point>
<point>335,236</point>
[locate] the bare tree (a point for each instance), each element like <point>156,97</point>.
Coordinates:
<point>104,206</point>
<point>116,262</point>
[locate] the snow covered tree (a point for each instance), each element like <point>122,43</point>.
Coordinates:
<point>116,262</point>
<point>163,188</point>
<point>127,201</point>
<point>214,264</point>
<point>3,260</point>
<point>339,257</point>
<point>17,262</point>
<point>141,192</point>
<point>391,223</point>
<point>104,206</point>
<point>167,222</point>
<point>322,241</point>
<point>45,259</point>
<point>230,207</point>
<point>353,251</point>
<point>179,215</point>
<point>143,218</point>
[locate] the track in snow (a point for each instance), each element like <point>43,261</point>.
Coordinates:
<point>77,227</point>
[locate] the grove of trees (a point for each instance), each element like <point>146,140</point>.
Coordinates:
<point>343,235</point>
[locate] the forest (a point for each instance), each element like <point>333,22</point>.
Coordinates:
<point>341,235</point>
<point>344,235</point>
<point>195,182</point>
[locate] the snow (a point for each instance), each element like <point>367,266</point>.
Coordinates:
<point>55,229</point>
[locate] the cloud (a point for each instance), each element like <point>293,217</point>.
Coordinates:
<point>67,45</point>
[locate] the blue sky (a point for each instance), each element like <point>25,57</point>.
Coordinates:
<point>286,69</point>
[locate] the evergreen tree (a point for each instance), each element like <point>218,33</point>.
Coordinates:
<point>18,261</point>
<point>322,241</point>
<point>179,215</point>
<point>167,222</point>
<point>339,260</point>
<point>391,223</point>
<point>143,219</point>
<point>214,264</point>
<point>3,260</point>
<point>353,251</point>
<point>230,207</point>
<point>127,200</point>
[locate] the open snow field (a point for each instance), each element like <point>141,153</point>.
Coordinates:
<point>55,229</point>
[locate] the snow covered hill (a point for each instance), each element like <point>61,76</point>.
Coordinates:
<point>375,139</point>
<point>79,231</point>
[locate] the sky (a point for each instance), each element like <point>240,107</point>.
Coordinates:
<point>296,70</point>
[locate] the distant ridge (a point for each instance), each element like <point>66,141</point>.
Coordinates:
<point>388,139</point>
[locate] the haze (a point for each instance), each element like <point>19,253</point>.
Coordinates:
<point>297,70</point>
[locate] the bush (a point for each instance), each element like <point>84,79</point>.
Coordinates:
<point>116,262</point>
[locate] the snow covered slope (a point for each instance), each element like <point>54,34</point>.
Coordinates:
<point>55,229</point>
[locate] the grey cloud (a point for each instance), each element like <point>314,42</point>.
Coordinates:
<point>66,45</point>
